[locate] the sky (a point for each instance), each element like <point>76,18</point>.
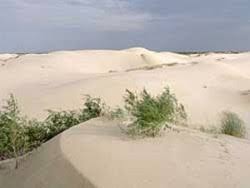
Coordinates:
<point>161,25</point>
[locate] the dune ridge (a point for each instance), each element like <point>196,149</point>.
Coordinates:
<point>96,153</point>
<point>103,156</point>
<point>47,167</point>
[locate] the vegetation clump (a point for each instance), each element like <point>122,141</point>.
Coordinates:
<point>13,140</point>
<point>152,114</point>
<point>231,124</point>
<point>18,135</point>
<point>59,121</point>
<point>149,114</point>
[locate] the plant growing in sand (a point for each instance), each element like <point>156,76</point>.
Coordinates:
<point>18,135</point>
<point>152,114</point>
<point>36,133</point>
<point>231,124</point>
<point>93,107</point>
<point>13,140</point>
<point>58,121</point>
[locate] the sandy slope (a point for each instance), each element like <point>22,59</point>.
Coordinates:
<point>214,82</point>
<point>46,168</point>
<point>97,154</point>
<point>206,84</point>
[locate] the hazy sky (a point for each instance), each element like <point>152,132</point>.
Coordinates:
<point>176,25</point>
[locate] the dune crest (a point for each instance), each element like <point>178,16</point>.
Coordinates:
<point>97,154</point>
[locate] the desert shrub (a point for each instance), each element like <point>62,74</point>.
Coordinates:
<point>13,140</point>
<point>36,133</point>
<point>18,135</point>
<point>231,124</point>
<point>58,121</point>
<point>93,107</point>
<point>151,114</point>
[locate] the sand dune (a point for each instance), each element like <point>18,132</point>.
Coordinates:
<point>96,154</point>
<point>102,156</point>
<point>98,61</point>
<point>215,82</point>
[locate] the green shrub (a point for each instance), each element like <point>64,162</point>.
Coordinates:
<point>232,125</point>
<point>18,135</point>
<point>58,121</point>
<point>152,113</point>
<point>13,140</point>
<point>36,133</point>
<point>93,107</point>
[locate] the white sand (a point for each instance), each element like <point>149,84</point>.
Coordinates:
<point>97,154</point>
<point>206,84</point>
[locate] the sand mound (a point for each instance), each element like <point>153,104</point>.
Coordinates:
<point>156,58</point>
<point>213,86</point>
<point>103,157</point>
<point>46,167</point>
<point>18,71</point>
<point>93,61</point>
<point>98,155</point>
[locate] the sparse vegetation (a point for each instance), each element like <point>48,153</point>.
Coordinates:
<point>231,124</point>
<point>117,113</point>
<point>58,121</point>
<point>18,135</point>
<point>36,133</point>
<point>13,140</point>
<point>152,67</point>
<point>93,107</point>
<point>210,130</point>
<point>152,114</point>
<point>148,114</point>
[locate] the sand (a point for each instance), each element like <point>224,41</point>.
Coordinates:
<point>96,153</point>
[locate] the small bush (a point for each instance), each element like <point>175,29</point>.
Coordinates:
<point>58,121</point>
<point>93,107</point>
<point>13,140</point>
<point>18,135</point>
<point>152,113</point>
<point>232,125</point>
<point>36,133</point>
